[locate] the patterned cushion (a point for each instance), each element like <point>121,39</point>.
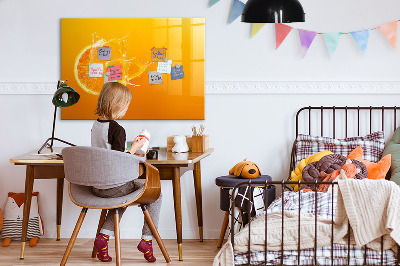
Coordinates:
<point>372,144</point>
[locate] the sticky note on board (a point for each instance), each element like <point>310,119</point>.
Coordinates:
<point>164,67</point>
<point>158,54</point>
<point>115,73</point>
<point>155,77</point>
<point>95,70</point>
<point>106,75</point>
<point>104,53</point>
<point>177,72</point>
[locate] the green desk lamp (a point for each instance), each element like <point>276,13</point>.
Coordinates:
<point>64,96</point>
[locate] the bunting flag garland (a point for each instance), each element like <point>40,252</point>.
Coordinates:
<point>306,39</point>
<point>332,41</point>
<point>389,30</point>
<point>361,37</point>
<point>213,2</point>
<point>256,27</point>
<point>281,31</point>
<point>237,9</point>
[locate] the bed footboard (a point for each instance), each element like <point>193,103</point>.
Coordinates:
<point>383,258</point>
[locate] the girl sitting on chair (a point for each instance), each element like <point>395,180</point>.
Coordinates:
<point>113,102</point>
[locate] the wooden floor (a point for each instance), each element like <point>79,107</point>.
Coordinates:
<point>50,252</point>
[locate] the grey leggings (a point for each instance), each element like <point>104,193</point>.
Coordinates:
<point>154,208</point>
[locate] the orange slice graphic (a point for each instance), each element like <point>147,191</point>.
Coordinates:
<point>131,68</point>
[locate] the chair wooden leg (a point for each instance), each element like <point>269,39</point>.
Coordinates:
<point>223,229</point>
<point>101,222</point>
<point>154,230</point>
<point>117,239</point>
<point>73,237</point>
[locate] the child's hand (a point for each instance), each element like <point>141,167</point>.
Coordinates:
<point>137,144</point>
<point>143,155</point>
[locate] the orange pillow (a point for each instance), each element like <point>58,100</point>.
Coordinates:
<point>375,170</point>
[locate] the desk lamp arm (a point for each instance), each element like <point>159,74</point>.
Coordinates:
<point>46,143</point>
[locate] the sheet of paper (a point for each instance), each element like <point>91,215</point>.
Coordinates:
<point>106,75</point>
<point>177,72</point>
<point>155,77</point>
<point>95,70</point>
<point>158,54</point>
<point>164,67</point>
<point>104,53</point>
<point>115,73</point>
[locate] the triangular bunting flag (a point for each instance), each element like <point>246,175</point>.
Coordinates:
<point>361,37</point>
<point>389,30</point>
<point>332,41</point>
<point>255,28</point>
<point>281,31</point>
<point>237,9</point>
<point>306,39</point>
<point>213,2</point>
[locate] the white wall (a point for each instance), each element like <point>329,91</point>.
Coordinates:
<point>259,127</point>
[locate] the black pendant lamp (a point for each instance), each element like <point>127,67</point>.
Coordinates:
<point>273,11</point>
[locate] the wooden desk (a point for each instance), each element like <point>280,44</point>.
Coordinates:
<point>171,167</point>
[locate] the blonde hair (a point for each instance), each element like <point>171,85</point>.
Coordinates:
<point>112,99</point>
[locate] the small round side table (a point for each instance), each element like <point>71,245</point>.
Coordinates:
<point>228,182</point>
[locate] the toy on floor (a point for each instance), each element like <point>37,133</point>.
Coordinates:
<point>1,219</point>
<point>245,169</point>
<point>13,215</point>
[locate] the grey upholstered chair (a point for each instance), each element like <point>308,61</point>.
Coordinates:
<point>85,167</point>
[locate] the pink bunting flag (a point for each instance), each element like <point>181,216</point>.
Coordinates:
<point>306,39</point>
<point>389,30</point>
<point>281,31</point>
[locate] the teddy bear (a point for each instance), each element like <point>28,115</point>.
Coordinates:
<point>13,215</point>
<point>180,144</point>
<point>245,169</point>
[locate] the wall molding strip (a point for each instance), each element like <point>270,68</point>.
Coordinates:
<point>250,87</point>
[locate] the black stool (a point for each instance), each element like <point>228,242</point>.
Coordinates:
<point>226,183</point>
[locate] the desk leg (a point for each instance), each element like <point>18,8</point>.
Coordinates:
<point>197,189</point>
<point>27,206</point>
<point>176,182</point>
<point>60,190</point>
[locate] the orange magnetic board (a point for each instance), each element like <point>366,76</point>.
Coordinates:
<point>131,42</point>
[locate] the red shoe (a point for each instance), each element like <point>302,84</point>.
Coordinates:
<point>101,245</point>
<point>146,247</point>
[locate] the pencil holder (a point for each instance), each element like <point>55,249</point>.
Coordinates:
<point>200,143</point>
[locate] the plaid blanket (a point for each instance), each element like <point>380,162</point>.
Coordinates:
<point>323,205</point>
<point>324,257</point>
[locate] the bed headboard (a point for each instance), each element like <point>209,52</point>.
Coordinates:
<point>344,121</point>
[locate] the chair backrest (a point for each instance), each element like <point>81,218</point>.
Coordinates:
<point>92,166</point>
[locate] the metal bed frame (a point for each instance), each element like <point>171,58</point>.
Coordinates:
<point>283,184</point>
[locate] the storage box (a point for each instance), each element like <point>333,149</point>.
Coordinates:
<point>200,143</point>
<point>171,143</point>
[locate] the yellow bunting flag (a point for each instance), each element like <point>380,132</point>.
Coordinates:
<point>256,28</point>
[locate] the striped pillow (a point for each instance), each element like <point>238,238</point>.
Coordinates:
<point>372,145</point>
